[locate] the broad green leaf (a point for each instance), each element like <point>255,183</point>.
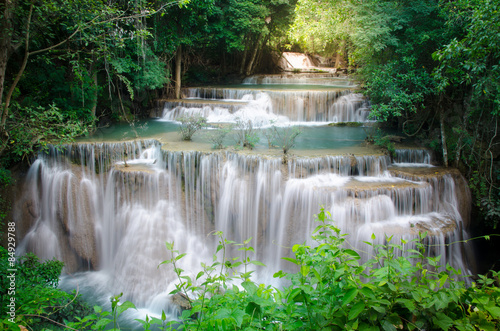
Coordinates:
<point>356,310</point>
<point>443,321</point>
<point>304,270</point>
<point>238,315</point>
<point>124,306</point>
<point>258,263</point>
<point>352,253</point>
<point>494,311</point>
<point>349,296</point>
<point>290,260</point>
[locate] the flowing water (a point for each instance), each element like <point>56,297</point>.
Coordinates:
<point>106,207</point>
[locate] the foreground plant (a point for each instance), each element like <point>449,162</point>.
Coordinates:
<point>29,296</point>
<point>332,290</point>
<point>399,287</point>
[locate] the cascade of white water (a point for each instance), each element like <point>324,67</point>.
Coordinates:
<point>350,165</point>
<point>413,156</point>
<point>110,208</point>
<point>264,106</point>
<point>280,99</point>
<point>327,79</point>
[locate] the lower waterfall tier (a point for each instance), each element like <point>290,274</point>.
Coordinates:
<point>108,209</point>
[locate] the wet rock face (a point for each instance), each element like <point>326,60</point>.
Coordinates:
<point>441,179</point>
<point>180,300</point>
<point>58,206</point>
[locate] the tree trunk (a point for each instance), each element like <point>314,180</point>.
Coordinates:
<point>254,55</point>
<point>338,61</point>
<point>443,133</point>
<point>178,73</point>
<point>8,97</point>
<point>94,96</point>
<point>244,60</point>
<point>6,7</point>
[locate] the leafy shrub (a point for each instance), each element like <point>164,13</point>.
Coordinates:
<point>190,125</point>
<point>384,142</point>
<point>31,291</point>
<point>218,135</point>
<point>332,290</point>
<point>246,135</point>
<point>285,137</point>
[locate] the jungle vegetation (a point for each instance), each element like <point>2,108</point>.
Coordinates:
<point>430,67</point>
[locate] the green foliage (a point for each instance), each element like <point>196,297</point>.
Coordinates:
<point>398,88</point>
<point>32,128</point>
<point>190,125</point>
<point>468,70</point>
<point>333,290</point>
<point>284,137</point>
<point>218,135</point>
<point>399,286</point>
<point>382,140</point>
<point>218,301</point>
<point>5,180</point>
<point>102,319</point>
<point>31,291</point>
<point>245,134</point>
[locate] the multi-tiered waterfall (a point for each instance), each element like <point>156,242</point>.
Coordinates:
<point>319,98</point>
<point>106,209</point>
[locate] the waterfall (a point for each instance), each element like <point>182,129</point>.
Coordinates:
<point>107,209</point>
<point>262,106</point>
<point>413,157</point>
<point>328,79</point>
<point>265,99</point>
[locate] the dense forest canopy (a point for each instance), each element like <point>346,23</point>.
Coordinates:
<point>430,67</point>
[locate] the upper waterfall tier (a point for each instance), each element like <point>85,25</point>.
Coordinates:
<point>275,99</point>
<point>327,79</point>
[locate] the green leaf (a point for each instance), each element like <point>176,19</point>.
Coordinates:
<point>356,310</point>
<point>102,323</point>
<point>180,256</point>
<point>443,321</point>
<point>442,280</point>
<point>222,314</point>
<point>250,287</point>
<point>304,270</point>
<point>253,309</point>
<point>290,260</point>
<point>409,304</point>
<point>352,253</point>
<point>124,306</point>
<point>388,326</point>
<point>238,315</point>
<point>258,263</point>
<point>349,296</point>
<point>494,311</point>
